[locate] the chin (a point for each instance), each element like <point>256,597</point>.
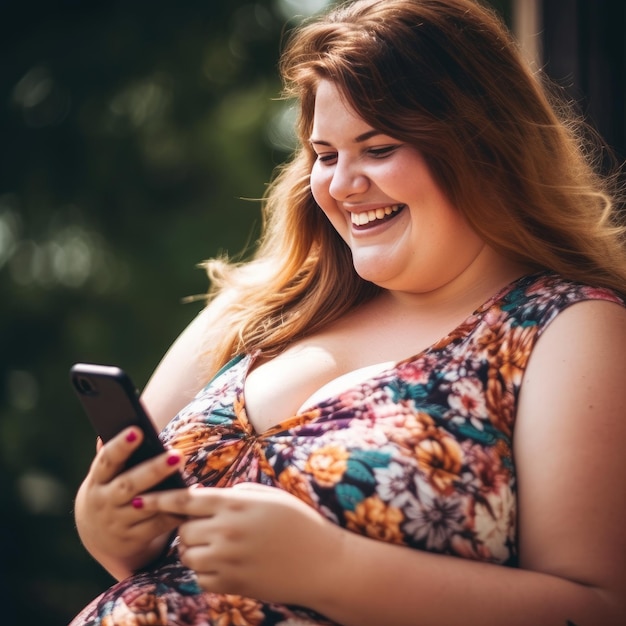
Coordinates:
<point>373,275</point>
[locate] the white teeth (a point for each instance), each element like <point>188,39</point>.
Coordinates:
<point>365,217</point>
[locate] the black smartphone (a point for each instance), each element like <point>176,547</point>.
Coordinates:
<point>112,403</point>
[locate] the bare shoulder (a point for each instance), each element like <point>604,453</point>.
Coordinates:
<point>186,365</point>
<point>587,341</point>
<point>568,445</point>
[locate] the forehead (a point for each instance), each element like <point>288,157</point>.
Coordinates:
<point>333,113</point>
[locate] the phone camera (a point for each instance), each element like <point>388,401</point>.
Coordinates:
<point>84,385</point>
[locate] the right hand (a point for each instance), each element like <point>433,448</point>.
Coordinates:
<point>120,536</point>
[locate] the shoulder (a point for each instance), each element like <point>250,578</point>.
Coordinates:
<point>187,365</point>
<point>583,331</point>
<point>582,328</point>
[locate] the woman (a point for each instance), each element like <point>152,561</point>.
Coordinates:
<point>432,345</point>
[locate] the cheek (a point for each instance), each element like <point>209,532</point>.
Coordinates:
<point>320,182</point>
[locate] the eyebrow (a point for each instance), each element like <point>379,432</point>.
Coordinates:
<point>360,139</point>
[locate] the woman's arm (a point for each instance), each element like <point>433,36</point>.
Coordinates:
<point>264,543</point>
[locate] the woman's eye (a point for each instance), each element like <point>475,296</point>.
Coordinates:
<point>375,153</point>
<point>327,157</point>
<point>379,153</point>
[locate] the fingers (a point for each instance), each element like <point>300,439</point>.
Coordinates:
<point>207,501</point>
<point>198,558</point>
<point>156,524</point>
<point>143,477</point>
<point>108,467</point>
<point>111,458</point>
<point>187,502</point>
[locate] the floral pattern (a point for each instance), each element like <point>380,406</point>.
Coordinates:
<point>419,455</point>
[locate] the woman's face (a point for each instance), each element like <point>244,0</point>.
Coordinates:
<point>380,196</point>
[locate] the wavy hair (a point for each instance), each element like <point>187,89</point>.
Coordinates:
<point>447,77</point>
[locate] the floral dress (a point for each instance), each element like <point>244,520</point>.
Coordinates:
<point>419,455</point>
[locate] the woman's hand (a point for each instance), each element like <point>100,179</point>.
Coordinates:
<point>120,535</point>
<point>253,540</point>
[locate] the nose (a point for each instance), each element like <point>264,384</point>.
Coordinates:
<point>347,180</point>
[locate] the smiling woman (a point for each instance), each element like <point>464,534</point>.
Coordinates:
<point>385,406</point>
<point>424,242</point>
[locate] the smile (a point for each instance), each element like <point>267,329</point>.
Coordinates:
<point>376,215</point>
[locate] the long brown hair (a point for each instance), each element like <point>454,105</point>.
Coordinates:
<point>447,77</point>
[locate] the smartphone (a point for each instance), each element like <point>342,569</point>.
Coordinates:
<point>112,403</point>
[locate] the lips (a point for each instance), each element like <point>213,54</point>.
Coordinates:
<point>375,216</point>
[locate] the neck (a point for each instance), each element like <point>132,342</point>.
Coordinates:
<point>483,278</point>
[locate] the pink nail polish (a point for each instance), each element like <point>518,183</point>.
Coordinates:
<point>173,458</point>
<point>132,436</point>
<point>137,502</point>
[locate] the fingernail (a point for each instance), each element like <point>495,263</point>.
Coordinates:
<point>137,502</point>
<point>173,458</point>
<point>132,435</point>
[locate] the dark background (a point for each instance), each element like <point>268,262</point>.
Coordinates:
<point>134,137</point>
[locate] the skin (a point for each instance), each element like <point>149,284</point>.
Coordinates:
<point>263,543</point>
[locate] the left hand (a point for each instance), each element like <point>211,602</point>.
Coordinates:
<point>252,540</point>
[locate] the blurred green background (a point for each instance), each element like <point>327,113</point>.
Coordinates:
<point>134,138</point>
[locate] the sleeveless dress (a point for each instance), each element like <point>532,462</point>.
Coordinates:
<point>419,455</point>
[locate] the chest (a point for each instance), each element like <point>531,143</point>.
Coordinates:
<point>361,344</point>
<point>288,385</point>
<point>327,364</point>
